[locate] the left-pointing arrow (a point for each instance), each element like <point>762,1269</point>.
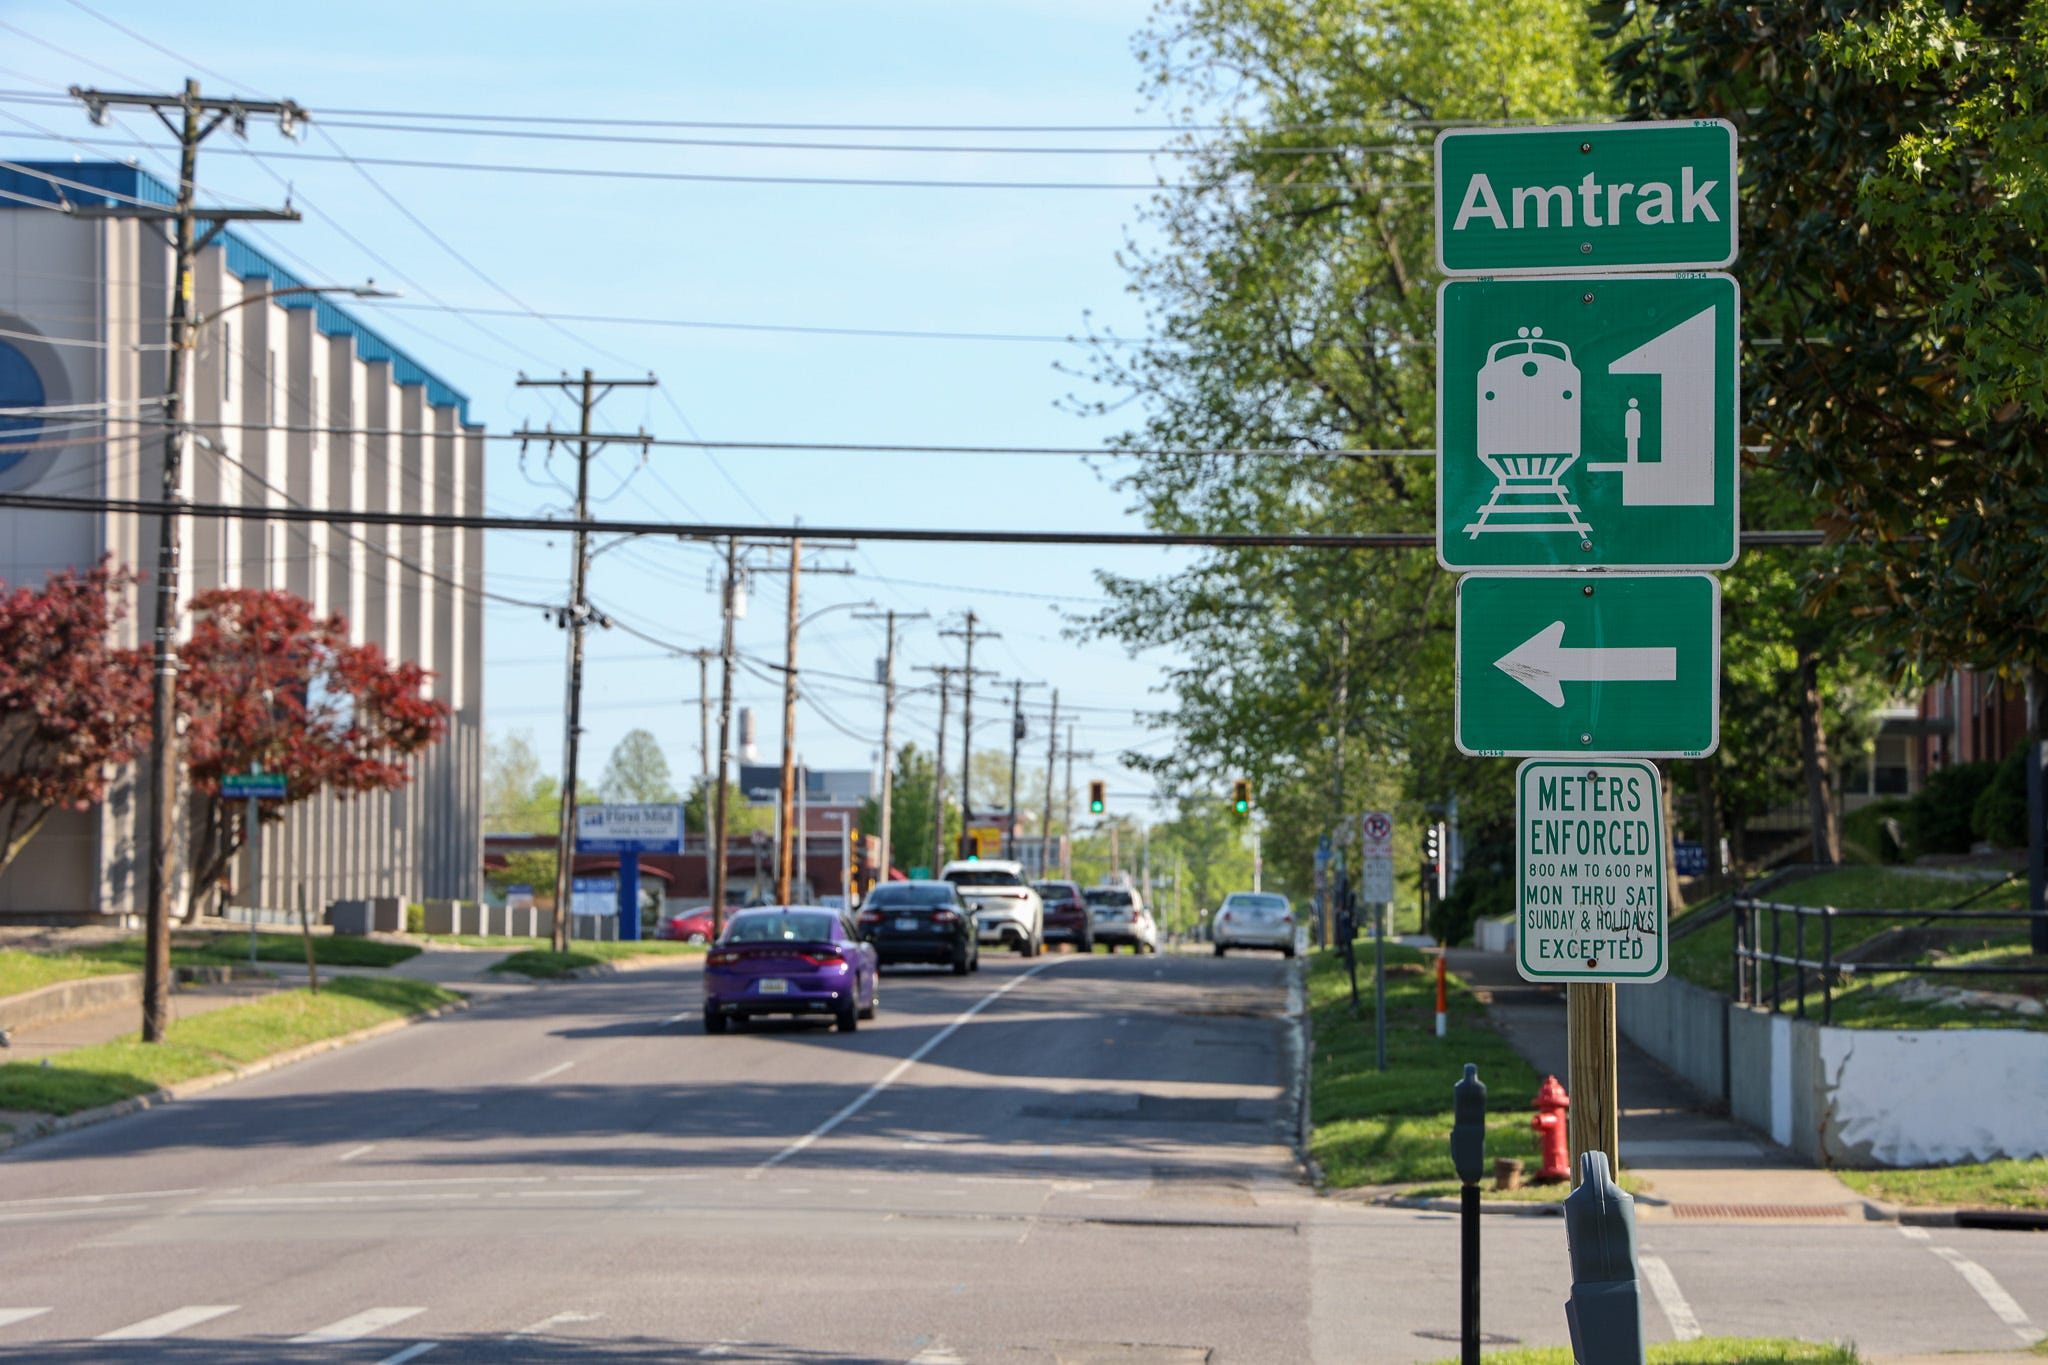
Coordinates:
<point>1543,664</point>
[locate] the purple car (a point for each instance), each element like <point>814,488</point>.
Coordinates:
<point>790,959</point>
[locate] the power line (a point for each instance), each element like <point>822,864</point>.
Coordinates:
<point>796,329</point>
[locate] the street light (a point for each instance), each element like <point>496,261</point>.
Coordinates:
<point>785,804</point>
<point>163,738</point>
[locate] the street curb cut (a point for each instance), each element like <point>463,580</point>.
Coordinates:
<point>86,1118</point>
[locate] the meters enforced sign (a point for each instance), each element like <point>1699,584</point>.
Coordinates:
<point>1590,847</point>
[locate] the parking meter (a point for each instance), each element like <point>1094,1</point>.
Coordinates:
<point>1605,1311</point>
<point>1468,1126</point>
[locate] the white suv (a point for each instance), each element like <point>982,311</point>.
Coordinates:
<point>1117,915</point>
<point>1006,910</point>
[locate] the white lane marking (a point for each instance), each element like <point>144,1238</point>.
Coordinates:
<point>352,1153</point>
<point>301,1200</point>
<point>1993,1293</point>
<point>718,1348</point>
<point>48,1215</point>
<point>551,1071</point>
<point>1677,1312</point>
<point>356,1325</point>
<point>96,1198</point>
<point>676,1018</point>
<point>938,1353</point>
<point>557,1320</point>
<point>861,1101</point>
<point>1915,1234</point>
<point>413,1352</point>
<point>570,1194</point>
<point>433,1180</point>
<point>163,1324</point>
<point>10,1316</point>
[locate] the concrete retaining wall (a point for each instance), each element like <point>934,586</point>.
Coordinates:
<point>1851,1097</point>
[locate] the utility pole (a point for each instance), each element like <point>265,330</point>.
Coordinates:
<point>945,673</point>
<point>1016,740</point>
<point>1052,758</point>
<point>197,118</point>
<point>1067,817</point>
<point>787,796</point>
<point>887,813</point>
<point>587,391</point>
<point>967,714</point>
<point>717,794</point>
<point>703,658</point>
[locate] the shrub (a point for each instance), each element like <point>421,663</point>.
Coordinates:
<point>1868,830</point>
<point>415,919</point>
<point>1940,816</point>
<point>1486,888</point>
<point>2000,814</point>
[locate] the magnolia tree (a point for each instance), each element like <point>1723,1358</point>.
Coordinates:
<point>72,708</point>
<point>267,682</point>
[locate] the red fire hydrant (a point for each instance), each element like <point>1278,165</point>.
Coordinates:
<point>1549,1123</point>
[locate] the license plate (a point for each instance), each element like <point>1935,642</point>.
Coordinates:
<point>907,924</point>
<point>773,986</point>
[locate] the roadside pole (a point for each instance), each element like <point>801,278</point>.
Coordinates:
<point>1376,884</point>
<point>1379,982</point>
<point>255,819</point>
<point>1468,1158</point>
<point>1595,1091</point>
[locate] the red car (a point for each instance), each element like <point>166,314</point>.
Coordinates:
<point>1066,915</point>
<point>687,926</point>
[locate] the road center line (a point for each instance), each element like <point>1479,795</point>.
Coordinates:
<point>1993,1293</point>
<point>352,1153</point>
<point>413,1352</point>
<point>551,1071</point>
<point>356,1325</point>
<point>896,1072</point>
<point>1663,1284</point>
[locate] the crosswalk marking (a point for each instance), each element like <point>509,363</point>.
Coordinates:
<point>357,1325</point>
<point>10,1316</point>
<point>163,1324</point>
<point>557,1320</point>
<point>1993,1293</point>
<point>938,1353</point>
<point>1663,1284</point>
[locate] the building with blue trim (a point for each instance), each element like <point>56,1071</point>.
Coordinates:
<point>290,401</point>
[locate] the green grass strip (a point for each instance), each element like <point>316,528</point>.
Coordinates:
<point>22,971</point>
<point>1374,1128</point>
<point>104,1073</point>
<point>207,949</point>
<point>1706,1351</point>
<point>1978,1185</point>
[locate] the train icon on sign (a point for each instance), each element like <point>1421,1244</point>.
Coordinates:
<point>1529,434</point>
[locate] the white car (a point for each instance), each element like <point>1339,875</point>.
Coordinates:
<point>1006,910</point>
<point>1117,915</point>
<point>1253,919</point>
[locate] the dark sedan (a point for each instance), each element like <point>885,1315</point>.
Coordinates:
<point>790,959</point>
<point>1066,915</point>
<point>921,922</point>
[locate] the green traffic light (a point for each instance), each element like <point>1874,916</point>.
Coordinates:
<point>1243,807</point>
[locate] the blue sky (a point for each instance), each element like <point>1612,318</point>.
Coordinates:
<point>1037,262</point>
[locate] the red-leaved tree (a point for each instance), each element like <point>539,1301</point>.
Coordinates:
<point>72,708</point>
<point>265,681</point>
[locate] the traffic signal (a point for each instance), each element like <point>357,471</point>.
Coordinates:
<point>1095,798</point>
<point>1241,797</point>
<point>1432,844</point>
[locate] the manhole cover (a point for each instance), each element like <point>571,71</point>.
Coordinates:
<point>1448,1334</point>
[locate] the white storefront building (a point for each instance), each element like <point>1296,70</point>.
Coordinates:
<point>292,402</point>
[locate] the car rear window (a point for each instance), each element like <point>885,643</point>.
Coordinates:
<point>1054,890</point>
<point>983,877</point>
<point>1107,896</point>
<point>813,926</point>
<point>883,896</point>
<point>1264,905</point>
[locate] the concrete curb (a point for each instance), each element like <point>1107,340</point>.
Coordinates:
<point>86,1118</point>
<point>1302,1038</point>
<point>1505,1207</point>
<point>68,999</point>
<point>612,968</point>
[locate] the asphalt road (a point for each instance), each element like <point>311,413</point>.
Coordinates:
<point>1075,1160</point>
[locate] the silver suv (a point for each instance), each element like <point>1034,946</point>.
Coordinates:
<point>1006,910</point>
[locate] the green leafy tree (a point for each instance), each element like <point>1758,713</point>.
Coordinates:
<point>910,815</point>
<point>520,797</point>
<point>1893,209</point>
<point>1291,293</point>
<point>534,867</point>
<point>740,818</point>
<point>637,771</point>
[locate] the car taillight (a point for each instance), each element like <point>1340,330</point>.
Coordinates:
<point>944,917</point>
<point>722,957</point>
<point>870,917</point>
<point>821,957</point>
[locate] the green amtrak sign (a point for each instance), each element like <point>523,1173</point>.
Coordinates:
<point>1588,422</point>
<point>1565,665</point>
<point>1586,199</point>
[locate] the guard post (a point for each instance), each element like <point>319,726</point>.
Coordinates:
<point>1605,1311</point>
<point>1468,1156</point>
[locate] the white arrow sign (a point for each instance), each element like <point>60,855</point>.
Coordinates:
<point>1542,664</point>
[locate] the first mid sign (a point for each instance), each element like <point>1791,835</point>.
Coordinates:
<point>1586,199</point>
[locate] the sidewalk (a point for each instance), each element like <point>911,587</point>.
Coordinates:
<point>1697,1163</point>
